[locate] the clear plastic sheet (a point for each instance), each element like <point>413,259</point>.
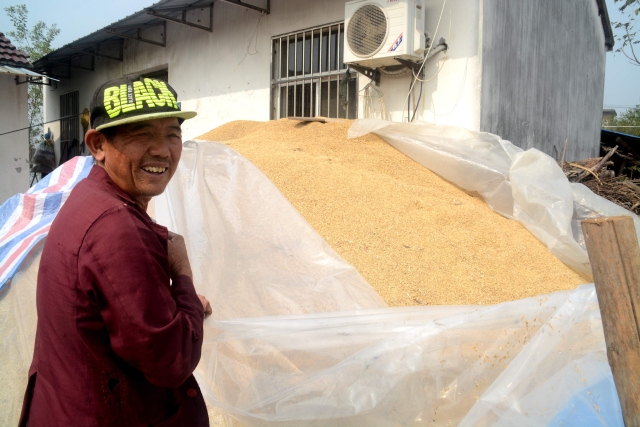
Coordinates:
<point>285,361</point>
<point>527,186</point>
<point>253,252</point>
<point>298,338</point>
<point>18,330</point>
<point>527,363</point>
<point>587,205</point>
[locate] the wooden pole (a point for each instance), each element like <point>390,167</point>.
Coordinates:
<point>615,260</point>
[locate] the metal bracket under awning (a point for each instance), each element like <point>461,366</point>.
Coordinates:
<point>266,10</point>
<point>139,27</point>
<point>72,65</point>
<point>138,35</point>
<point>72,60</point>
<point>31,76</point>
<point>162,14</point>
<point>81,50</point>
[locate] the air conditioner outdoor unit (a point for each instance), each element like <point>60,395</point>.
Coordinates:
<point>379,30</point>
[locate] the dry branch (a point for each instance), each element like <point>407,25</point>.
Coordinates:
<point>621,191</point>
<point>598,166</point>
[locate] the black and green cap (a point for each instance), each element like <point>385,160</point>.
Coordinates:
<point>132,99</point>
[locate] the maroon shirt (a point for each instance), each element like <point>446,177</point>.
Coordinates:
<point>116,342</point>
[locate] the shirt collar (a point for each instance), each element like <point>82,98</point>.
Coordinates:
<point>100,175</point>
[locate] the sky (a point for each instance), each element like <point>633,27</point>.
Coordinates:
<point>622,79</point>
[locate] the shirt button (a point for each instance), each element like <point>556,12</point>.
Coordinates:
<point>192,392</point>
<point>125,204</point>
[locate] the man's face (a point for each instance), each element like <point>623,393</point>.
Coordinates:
<point>142,157</point>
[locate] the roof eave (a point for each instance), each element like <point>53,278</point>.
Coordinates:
<point>26,65</point>
<point>609,40</point>
<point>42,63</point>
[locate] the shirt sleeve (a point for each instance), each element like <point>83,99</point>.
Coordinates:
<point>155,327</point>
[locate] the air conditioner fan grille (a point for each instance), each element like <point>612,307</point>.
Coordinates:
<point>367,30</point>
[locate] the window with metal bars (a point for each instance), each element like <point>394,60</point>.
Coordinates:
<point>309,77</point>
<point>158,75</point>
<point>69,124</point>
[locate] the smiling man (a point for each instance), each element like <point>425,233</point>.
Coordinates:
<point>119,322</point>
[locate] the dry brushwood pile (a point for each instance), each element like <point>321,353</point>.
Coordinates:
<point>610,176</point>
<point>416,238</point>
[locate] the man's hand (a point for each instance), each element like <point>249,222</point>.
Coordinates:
<point>178,260</point>
<point>179,264</point>
<point>205,305</point>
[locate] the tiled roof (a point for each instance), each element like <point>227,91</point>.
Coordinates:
<point>9,55</point>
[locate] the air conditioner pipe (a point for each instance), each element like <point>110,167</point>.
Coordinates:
<point>441,47</point>
<point>374,73</point>
<point>417,67</point>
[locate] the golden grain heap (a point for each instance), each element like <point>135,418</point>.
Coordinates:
<point>416,238</point>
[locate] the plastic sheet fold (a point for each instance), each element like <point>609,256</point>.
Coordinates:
<point>528,186</point>
<point>530,362</point>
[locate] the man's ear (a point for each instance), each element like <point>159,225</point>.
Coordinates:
<point>95,141</point>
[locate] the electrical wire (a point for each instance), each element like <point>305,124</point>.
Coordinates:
<point>255,48</point>
<point>40,124</point>
<point>343,89</point>
<point>436,74</point>
<point>414,80</point>
<point>415,110</point>
<point>409,102</point>
<point>464,78</point>
<point>368,109</point>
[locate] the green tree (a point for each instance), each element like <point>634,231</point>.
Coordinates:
<point>35,42</point>
<point>631,117</point>
<point>628,39</point>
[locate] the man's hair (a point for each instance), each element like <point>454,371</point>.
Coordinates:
<point>109,133</point>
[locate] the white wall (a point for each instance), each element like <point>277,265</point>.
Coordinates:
<point>14,147</point>
<point>452,96</point>
<point>213,74</point>
<point>211,77</point>
<point>205,68</point>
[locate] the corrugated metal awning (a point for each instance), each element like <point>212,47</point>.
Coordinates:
<point>5,69</point>
<point>147,25</point>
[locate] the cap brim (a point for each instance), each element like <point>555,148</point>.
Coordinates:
<point>185,115</point>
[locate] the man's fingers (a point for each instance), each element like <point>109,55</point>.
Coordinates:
<point>173,236</point>
<point>205,305</point>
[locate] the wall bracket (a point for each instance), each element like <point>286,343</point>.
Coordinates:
<point>70,64</point>
<point>33,80</point>
<point>266,10</point>
<point>97,53</point>
<point>162,14</point>
<point>138,35</point>
<point>372,73</point>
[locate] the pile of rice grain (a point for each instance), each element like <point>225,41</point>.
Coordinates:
<point>416,238</point>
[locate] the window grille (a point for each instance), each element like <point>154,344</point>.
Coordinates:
<point>69,126</point>
<point>309,77</point>
<point>158,75</point>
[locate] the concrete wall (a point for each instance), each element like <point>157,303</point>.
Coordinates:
<point>14,147</point>
<point>543,74</point>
